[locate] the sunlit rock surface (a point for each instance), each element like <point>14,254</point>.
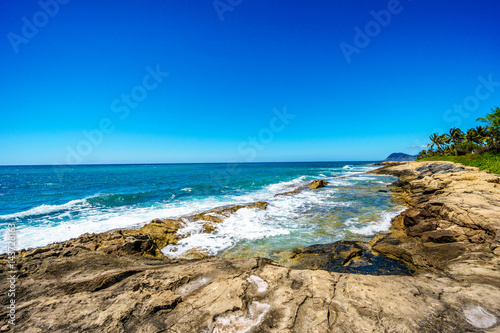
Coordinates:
<point>448,239</point>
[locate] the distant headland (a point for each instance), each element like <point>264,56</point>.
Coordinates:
<point>400,157</point>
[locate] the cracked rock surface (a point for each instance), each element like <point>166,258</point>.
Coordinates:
<point>120,282</point>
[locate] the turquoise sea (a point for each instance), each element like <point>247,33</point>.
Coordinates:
<point>55,203</point>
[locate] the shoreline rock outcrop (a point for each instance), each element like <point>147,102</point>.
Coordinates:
<point>452,222</point>
<point>118,282</point>
<point>315,184</point>
<point>147,240</point>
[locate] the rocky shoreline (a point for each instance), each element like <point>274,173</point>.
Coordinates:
<point>440,260</point>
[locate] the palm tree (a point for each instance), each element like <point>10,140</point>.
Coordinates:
<point>492,119</point>
<point>434,141</point>
<point>444,140</point>
<point>493,127</point>
<point>482,134</point>
<point>487,135</point>
<point>456,137</point>
<point>472,136</point>
<point>422,154</point>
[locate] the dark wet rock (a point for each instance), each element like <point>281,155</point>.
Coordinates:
<point>412,217</point>
<point>347,257</point>
<point>400,183</point>
<point>120,282</point>
<point>419,229</point>
<point>440,236</point>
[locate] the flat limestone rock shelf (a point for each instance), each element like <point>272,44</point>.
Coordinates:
<point>120,281</point>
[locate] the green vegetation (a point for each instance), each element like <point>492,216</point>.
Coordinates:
<point>487,161</point>
<point>477,147</point>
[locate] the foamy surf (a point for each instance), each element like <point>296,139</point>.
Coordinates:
<point>46,210</point>
<point>292,220</point>
<point>245,224</point>
<point>284,215</point>
<point>285,185</point>
<point>372,228</point>
<point>60,227</point>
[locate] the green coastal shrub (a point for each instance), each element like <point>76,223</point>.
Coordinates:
<point>487,161</point>
<point>476,140</point>
<point>479,146</point>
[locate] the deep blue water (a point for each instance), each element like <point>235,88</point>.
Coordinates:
<point>51,204</point>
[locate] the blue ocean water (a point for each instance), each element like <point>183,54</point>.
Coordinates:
<point>56,203</point>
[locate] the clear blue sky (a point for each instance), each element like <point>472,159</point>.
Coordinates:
<point>67,71</point>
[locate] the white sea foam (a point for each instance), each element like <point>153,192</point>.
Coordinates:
<point>339,182</point>
<point>245,224</point>
<point>280,218</point>
<point>187,189</point>
<point>351,221</point>
<point>59,227</point>
<point>361,176</point>
<point>374,227</point>
<point>281,186</point>
<point>54,223</point>
<point>365,168</point>
<point>46,209</point>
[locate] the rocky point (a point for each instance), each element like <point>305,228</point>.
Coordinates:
<point>446,247</point>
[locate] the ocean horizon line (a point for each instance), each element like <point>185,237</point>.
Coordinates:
<point>182,163</point>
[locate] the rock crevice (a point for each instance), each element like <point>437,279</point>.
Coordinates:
<point>120,281</point>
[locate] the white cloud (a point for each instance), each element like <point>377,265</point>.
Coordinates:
<point>416,146</point>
